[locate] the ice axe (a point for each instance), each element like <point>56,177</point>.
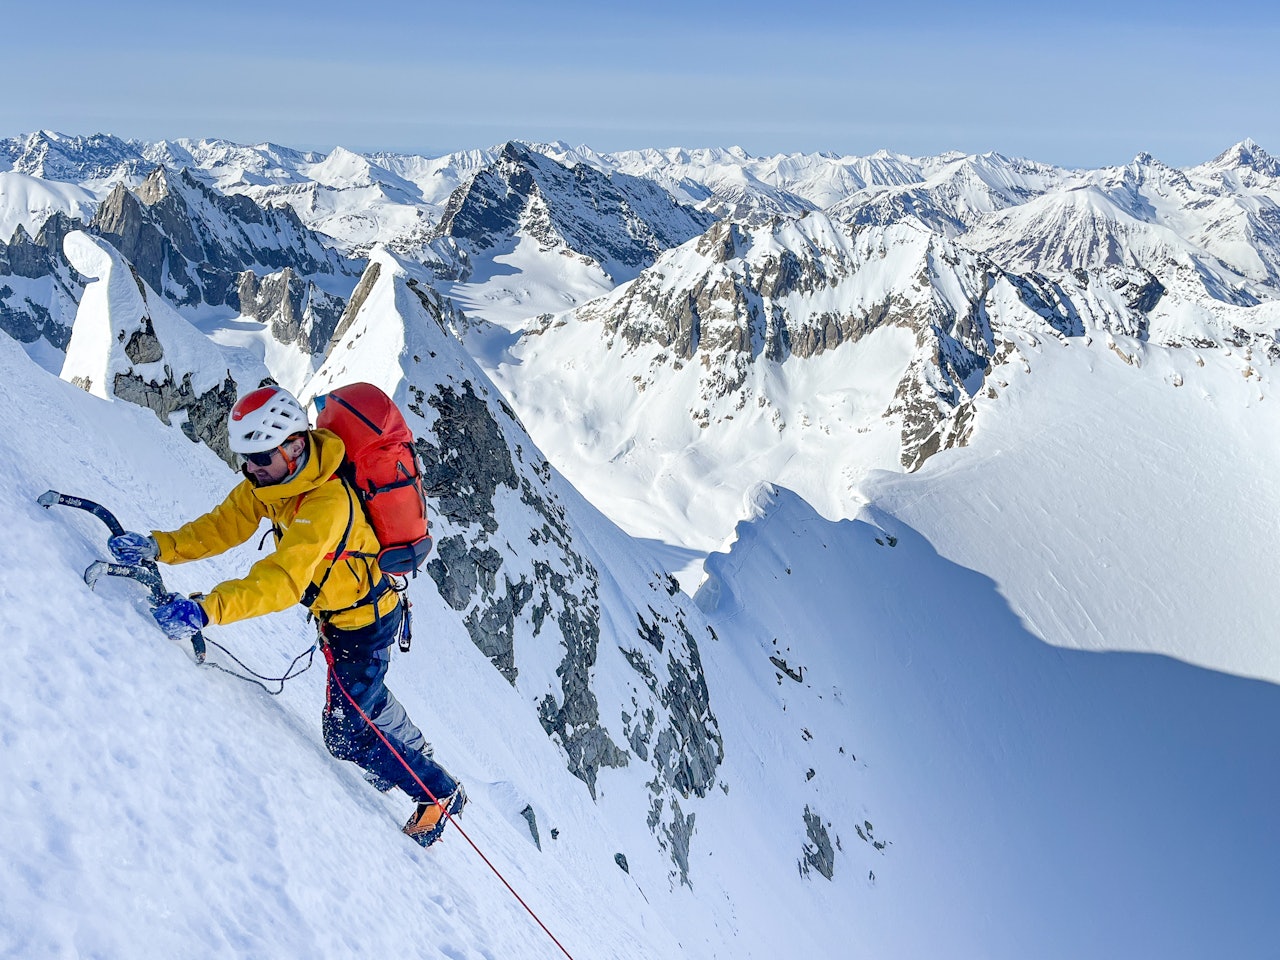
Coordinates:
<point>146,573</point>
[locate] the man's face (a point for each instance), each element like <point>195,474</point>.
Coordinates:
<point>279,466</point>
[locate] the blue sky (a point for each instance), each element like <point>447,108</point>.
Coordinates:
<point>1085,84</point>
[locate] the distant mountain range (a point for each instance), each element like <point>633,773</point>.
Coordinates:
<point>746,269</point>
<point>684,417</point>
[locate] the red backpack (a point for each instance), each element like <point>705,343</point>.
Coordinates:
<point>381,465</point>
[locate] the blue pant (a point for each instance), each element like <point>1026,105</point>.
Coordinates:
<point>358,662</point>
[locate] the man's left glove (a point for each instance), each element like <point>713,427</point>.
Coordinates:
<point>133,548</point>
<point>180,617</point>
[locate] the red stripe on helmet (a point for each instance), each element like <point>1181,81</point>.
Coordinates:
<point>252,401</point>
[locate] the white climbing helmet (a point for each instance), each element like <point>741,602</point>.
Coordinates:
<point>264,419</point>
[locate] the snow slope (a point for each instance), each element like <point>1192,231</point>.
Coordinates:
<point>1120,507</point>
<point>156,810</point>
<point>1053,649</point>
<point>29,201</point>
<point>1035,801</point>
<point>217,807</point>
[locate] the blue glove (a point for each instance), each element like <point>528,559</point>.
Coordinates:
<point>133,548</point>
<point>180,617</point>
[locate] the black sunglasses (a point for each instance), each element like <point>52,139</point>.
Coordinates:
<point>260,459</point>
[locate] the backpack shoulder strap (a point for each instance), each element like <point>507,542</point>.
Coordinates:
<point>313,590</point>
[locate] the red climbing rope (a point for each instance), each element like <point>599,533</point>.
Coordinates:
<point>434,799</point>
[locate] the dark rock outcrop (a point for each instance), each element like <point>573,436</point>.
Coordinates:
<point>819,854</point>
<point>616,221</point>
<point>297,310</point>
<point>204,416</point>
<point>192,243</point>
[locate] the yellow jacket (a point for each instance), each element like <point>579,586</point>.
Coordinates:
<point>312,510</point>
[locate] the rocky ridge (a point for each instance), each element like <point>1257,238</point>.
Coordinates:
<point>194,246</point>
<point>512,559</point>
<point>737,299</point>
<point>620,222</point>
<point>194,243</point>
<point>96,159</point>
<point>128,344</point>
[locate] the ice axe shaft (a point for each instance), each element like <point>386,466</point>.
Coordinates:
<point>51,497</point>
<point>146,573</point>
<point>148,578</point>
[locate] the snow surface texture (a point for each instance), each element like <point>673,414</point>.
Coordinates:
<point>28,202</point>
<point>157,810</point>
<point>1017,703</point>
<point>1038,802</point>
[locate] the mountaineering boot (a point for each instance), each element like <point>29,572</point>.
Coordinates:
<point>429,820</point>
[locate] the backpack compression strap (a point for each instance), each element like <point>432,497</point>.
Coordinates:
<point>313,590</point>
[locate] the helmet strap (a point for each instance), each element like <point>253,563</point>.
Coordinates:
<point>294,465</point>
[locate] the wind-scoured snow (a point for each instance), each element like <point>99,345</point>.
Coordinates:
<point>117,307</point>
<point>27,202</point>
<point>1120,507</point>
<point>968,461</point>
<point>1032,801</point>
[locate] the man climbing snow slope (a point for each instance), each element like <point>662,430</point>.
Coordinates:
<point>325,558</point>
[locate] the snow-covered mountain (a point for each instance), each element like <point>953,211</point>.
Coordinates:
<point>966,460</point>
<point>519,234</point>
<point>356,200</point>
<point>30,201</point>
<point>362,201</point>
<point>907,768</point>
<point>39,289</point>
<point>194,243</point>
<point>539,594</point>
<point>206,252</point>
<point>953,196</point>
<point>227,166</point>
<point>94,162</point>
<point>621,223</point>
<point>127,343</point>
<point>1127,219</point>
<point>576,638</point>
<point>861,345</point>
<point>733,184</point>
<point>815,350</point>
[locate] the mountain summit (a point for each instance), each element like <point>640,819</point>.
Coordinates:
<point>833,556</point>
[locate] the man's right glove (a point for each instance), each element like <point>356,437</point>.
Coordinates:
<point>180,617</point>
<point>133,548</point>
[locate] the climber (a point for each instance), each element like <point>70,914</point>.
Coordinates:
<point>325,558</point>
